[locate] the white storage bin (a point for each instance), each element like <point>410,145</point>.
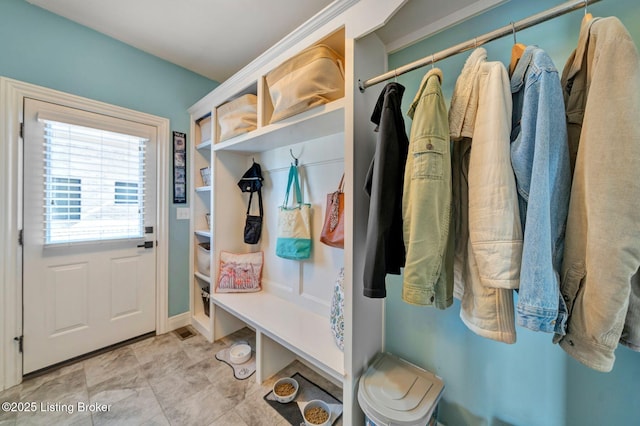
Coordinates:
<point>205,129</point>
<point>202,258</point>
<point>238,116</point>
<point>394,392</point>
<point>313,77</point>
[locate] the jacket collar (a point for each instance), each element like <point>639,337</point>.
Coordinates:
<point>518,76</point>
<point>464,101</point>
<point>433,72</point>
<point>389,89</point>
<point>575,62</point>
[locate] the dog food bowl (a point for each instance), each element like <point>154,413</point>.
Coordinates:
<point>240,353</point>
<point>314,405</point>
<point>284,383</point>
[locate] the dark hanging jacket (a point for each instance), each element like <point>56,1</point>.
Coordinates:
<point>384,251</point>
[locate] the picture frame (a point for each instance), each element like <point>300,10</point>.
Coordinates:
<point>179,159</point>
<point>180,175</point>
<point>179,168</point>
<point>205,173</point>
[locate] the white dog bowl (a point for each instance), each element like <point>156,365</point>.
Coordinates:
<point>286,398</point>
<point>240,353</point>
<point>316,403</point>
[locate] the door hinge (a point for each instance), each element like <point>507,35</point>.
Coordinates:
<point>20,237</point>
<point>22,130</point>
<point>20,340</point>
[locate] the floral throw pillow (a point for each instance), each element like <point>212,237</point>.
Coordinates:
<point>240,273</point>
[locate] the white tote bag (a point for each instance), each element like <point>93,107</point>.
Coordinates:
<point>294,224</point>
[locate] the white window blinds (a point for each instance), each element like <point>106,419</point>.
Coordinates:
<point>94,184</point>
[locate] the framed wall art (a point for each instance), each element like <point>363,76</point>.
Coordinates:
<point>179,168</point>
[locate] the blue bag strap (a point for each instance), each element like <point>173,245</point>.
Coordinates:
<point>293,178</point>
<point>297,183</point>
<point>286,197</point>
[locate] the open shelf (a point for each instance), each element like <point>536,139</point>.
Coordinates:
<point>204,144</point>
<point>203,233</point>
<point>203,277</point>
<point>320,121</point>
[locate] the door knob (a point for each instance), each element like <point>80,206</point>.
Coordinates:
<point>146,244</point>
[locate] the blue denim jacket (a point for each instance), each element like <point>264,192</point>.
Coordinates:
<point>540,160</point>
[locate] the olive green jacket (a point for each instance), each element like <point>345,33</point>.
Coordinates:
<point>426,200</point>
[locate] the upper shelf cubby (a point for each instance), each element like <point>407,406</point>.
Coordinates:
<point>335,43</point>
<point>320,119</point>
<point>203,130</point>
<point>240,109</point>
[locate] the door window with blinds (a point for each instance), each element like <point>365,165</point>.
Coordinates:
<point>94,186</point>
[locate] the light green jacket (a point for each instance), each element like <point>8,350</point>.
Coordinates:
<point>426,200</point>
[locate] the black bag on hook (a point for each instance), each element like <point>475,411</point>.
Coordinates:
<point>253,224</point>
<point>251,180</point>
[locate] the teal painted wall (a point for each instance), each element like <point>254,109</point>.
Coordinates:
<point>42,48</point>
<point>532,382</point>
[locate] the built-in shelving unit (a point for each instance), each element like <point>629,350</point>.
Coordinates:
<point>290,315</point>
<point>200,158</point>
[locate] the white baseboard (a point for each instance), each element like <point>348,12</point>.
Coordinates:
<point>177,321</point>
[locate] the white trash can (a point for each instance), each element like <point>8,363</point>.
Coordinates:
<point>394,392</point>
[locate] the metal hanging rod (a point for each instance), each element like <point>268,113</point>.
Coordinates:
<point>536,19</point>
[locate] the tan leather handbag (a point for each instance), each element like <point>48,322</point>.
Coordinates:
<point>313,77</point>
<point>333,229</point>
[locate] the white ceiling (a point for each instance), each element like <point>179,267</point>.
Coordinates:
<point>217,38</point>
<point>214,38</point>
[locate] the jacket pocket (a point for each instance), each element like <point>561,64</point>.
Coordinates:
<point>428,158</point>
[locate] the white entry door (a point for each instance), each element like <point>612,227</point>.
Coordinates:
<point>89,213</point>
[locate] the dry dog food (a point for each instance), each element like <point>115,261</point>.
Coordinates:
<point>316,415</point>
<point>284,389</point>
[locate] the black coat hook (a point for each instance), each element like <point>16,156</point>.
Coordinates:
<point>295,160</point>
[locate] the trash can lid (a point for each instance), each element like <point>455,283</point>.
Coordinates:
<point>395,391</point>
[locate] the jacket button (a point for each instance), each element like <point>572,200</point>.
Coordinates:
<point>429,146</point>
<point>432,299</point>
<point>565,297</point>
<point>570,342</point>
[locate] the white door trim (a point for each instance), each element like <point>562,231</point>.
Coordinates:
<point>12,94</point>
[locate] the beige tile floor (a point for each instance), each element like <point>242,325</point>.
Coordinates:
<point>157,381</point>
